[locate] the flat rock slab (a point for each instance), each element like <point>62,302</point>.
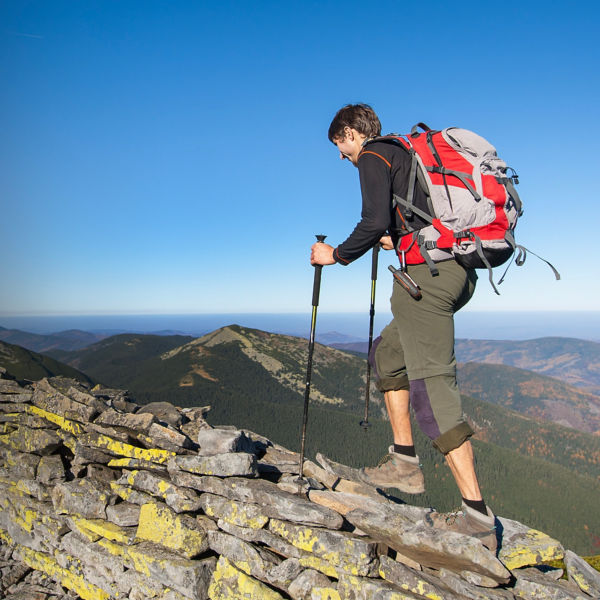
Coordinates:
<point>531,585</point>
<point>429,546</point>
<point>522,546</point>
<point>82,497</point>
<point>190,578</point>
<point>231,582</point>
<point>220,465</point>
<point>585,576</point>
<point>413,581</point>
<point>341,549</point>
<point>242,514</point>
<point>279,504</point>
<point>129,421</point>
<point>34,441</point>
<point>361,588</point>
<point>222,441</point>
<point>179,533</point>
<point>52,400</point>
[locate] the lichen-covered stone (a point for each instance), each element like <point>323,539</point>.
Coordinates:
<point>304,583</point>
<point>341,549</point>
<point>168,438</point>
<point>124,514</point>
<point>229,582</point>
<point>220,465</point>
<point>417,582</point>
<point>82,497</point>
<point>428,545</point>
<point>351,587</point>
<point>122,449</point>
<point>533,585</point>
<point>49,398</point>
<point>34,441</point>
<point>20,465</point>
<point>179,533</point>
<point>50,469</point>
<point>108,530</point>
<point>189,577</point>
<point>579,571</point>
<point>127,493</point>
<point>522,546</point>
<point>236,513</point>
<point>129,421</point>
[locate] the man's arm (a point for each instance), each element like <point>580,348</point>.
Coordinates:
<point>375,184</point>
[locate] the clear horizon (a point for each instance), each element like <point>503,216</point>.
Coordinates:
<point>172,157</point>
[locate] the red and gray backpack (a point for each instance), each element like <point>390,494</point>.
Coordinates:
<point>471,196</point>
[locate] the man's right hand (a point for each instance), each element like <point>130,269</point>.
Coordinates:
<point>321,254</point>
<point>386,242</point>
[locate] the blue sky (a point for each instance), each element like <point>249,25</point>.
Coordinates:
<point>172,156</point>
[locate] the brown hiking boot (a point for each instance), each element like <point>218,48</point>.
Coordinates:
<point>395,471</point>
<point>468,521</point>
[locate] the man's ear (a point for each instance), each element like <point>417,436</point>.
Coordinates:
<point>348,133</point>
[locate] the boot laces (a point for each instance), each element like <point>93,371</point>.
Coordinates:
<point>385,459</point>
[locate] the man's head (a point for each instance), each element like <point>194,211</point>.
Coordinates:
<point>351,126</point>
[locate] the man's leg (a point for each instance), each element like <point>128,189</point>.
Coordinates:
<point>397,404</point>
<point>462,464</point>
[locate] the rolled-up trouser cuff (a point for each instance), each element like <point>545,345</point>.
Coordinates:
<point>388,384</point>
<point>453,438</point>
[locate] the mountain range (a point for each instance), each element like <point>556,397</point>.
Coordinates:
<point>532,469</point>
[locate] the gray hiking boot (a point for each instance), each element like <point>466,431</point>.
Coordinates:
<point>468,521</point>
<point>395,471</point>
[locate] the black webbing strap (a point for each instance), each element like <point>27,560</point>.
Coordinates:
<point>520,261</point>
<point>412,181</point>
<point>479,250</point>
<point>399,200</point>
<point>434,152</point>
<point>423,250</point>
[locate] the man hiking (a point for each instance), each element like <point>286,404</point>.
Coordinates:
<point>413,359</point>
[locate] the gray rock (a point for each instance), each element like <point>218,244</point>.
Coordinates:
<point>124,514</point>
<point>182,499</point>
<point>342,550</point>
<point>262,536</point>
<point>48,397</point>
<point>190,578</point>
<point>220,441</point>
<point>34,441</point>
<point>220,465</point>
<point>82,497</point>
<point>168,438</point>
<point>533,584</point>
<point>522,546</point>
<point>202,483</point>
<point>351,587</point>
<point>464,589</point>
<point>585,576</point>
<point>242,514</point>
<point>245,556</point>
<point>163,411</point>
<point>101,473</point>
<point>303,585</point>
<point>285,573</point>
<point>129,421</point>
<point>20,465</point>
<point>85,455</point>
<point>279,504</point>
<point>430,546</point>
<point>417,582</point>
<point>51,469</point>
<point>127,493</point>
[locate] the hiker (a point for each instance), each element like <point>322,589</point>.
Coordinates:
<point>413,359</point>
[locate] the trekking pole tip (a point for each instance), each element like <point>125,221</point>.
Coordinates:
<point>365,425</point>
<point>320,237</point>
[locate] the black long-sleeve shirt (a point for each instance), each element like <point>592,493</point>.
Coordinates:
<point>384,170</point>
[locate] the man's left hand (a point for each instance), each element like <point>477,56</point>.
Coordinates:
<point>321,254</point>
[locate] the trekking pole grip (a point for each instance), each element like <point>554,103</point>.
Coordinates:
<point>317,280</point>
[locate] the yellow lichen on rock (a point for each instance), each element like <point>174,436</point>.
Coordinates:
<point>536,549</point>
<point>65,424</point>
<point>160,525</point>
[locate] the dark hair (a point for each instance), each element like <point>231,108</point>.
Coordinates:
<point>357,116</point>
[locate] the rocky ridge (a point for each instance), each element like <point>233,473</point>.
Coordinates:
<point>101,498</point>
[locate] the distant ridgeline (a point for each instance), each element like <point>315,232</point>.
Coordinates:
<point>114,500</point>
<point>532,470</point>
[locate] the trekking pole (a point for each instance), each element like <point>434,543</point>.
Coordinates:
<point>311,347</point>
<point>365,422</point>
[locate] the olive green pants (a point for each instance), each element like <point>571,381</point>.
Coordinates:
<point>416,351</point>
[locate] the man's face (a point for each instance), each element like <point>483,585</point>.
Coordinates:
<point>350,145</point>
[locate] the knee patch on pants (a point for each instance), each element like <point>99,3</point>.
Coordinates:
<point>437,406</point>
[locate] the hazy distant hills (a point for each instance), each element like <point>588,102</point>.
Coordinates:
<point>573,361</point>
<point>528,393</point>
<point>73,339</point>
<point>542,473</point>
<point>24,364</point>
